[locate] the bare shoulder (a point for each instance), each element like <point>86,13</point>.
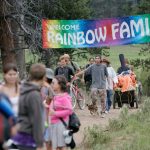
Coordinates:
<point>2,88</point>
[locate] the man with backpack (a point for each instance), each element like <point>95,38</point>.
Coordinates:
<point>64,69</point>
<point>73,65</point>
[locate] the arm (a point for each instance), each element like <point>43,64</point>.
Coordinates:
<point>35,116</point>
<point>77,67</point>
<point>81,72</point>
<point>106,72</point>
<point>7,111</point>
<point>115,78</point>
<point>66,108</point>
<point>88,70</point>
<point>63,113</point>
<point>6,108</point>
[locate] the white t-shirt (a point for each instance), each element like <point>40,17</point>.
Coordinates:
<point>15,104</point>
<point>112,78</point>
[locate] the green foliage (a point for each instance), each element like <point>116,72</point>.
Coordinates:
<point>95,135</point>
<point>128,8</point>
<point>143,7</point>
<point>113,8</point>
<point>125,133</point>
<point>35,11</point>
<point>115,124</point>
<point>67,10</point>
<point>144,66</point>
<point>64,9</point>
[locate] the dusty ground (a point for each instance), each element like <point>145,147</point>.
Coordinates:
<point>87,120</point>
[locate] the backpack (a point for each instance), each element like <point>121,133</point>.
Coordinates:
<point>74,67</point>
<point>74,123</point>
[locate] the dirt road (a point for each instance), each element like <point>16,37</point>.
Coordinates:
<point>87,120</point>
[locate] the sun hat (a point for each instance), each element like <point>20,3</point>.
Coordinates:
<point>105,60</point>
<point>49,73</point>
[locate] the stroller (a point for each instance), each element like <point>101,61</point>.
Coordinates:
<point>126,91</point>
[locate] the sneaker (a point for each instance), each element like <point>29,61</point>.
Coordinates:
<point>106,112</point>
<point>102,115</point>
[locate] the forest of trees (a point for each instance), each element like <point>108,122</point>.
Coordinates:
<point>20,24</point>
<point>114,8</point>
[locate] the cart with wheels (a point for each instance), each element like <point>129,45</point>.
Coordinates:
<point>127,97</point>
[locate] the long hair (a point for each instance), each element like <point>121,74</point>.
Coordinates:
<point>7,68</point>
<point>62,82</point>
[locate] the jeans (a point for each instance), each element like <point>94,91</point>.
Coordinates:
<point>109,99</point>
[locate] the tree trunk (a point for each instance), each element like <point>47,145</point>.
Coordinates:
<point>19,44</point>
<point>6,38</point>
<point>20,58</point>
<point>11,45</point>
<point>19,49</point>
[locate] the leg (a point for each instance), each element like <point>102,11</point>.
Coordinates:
<point>102,94</point>
<point>47,138</point>
<point>94,96</point>
<point>87,88</point>
<point>1,146</point>
<point>61,148</point>
<point>49,146</point>
<point>109,98</point>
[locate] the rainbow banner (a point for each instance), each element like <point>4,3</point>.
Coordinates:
<point>96,33</point>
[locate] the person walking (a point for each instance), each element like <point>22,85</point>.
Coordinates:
<point>112,79</point>
<point>98,88</point>
<point>47,96</point>
<point>73,65</point>
<point>60,107</point>
<point>64,70</point>
<point>30,117</point>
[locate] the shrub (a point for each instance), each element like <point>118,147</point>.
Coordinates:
<point>95,135</point>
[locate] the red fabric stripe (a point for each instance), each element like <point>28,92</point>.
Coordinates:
<point>1,128</point>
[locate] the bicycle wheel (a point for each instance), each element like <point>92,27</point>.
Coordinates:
<point>73,97</point>
<point>81,99</point>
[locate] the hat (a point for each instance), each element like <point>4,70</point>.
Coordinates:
<point>105,60</point>
<point>49,73</point>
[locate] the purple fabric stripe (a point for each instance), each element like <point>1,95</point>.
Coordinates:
<point>24,139</point>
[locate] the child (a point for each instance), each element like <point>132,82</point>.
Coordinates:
<point>60,107</point>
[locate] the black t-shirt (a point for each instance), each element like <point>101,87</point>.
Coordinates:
<point>66,71</point>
